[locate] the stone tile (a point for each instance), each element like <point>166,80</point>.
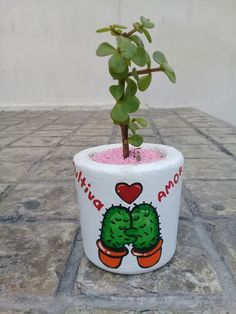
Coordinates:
<point>59,127</point>
<point>40,200</point>
<point>65,152</point>
<point>223,139</point>
<point>170,123</point>
<point>211,124</point>
<point>14,154</point>
<point>184,210</point>
<point>190,271</point>
<point>34,141</point>
<point>224,237</point>
<point>12,172</point>
<point>186,140</point>
<point>33,257</point>
<point>50,133</point>
<point>85,141</point>
<point>3,188</point>
<point>214,198</point>
<point>4,141</point>
<point>200,151</point>
<point>231,148</point>
<point>210,169</point>
<point>51,170</point>
<point>219,131</point>
<point>177,131</point>
<point>91,310</point>
<point>93,132</point>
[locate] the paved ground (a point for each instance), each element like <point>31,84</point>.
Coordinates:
<point>42,265</point>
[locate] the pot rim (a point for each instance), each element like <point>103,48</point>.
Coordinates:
<point>148,253</point>
<point>110,252</point>
<point>171,154</point>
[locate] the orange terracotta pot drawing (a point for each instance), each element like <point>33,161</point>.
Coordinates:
<point>149,258</point>
<point>112,259</point>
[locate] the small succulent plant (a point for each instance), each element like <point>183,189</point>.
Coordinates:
<point>128,53</point>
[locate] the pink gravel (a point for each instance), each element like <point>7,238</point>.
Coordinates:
<point>137,156</point>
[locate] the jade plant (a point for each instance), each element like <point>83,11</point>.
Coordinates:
<point>128,53</point>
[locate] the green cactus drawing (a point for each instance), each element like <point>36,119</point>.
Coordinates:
<point>116,220</point>
<point>145,227</point>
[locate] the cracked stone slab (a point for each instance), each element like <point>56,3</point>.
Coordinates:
<point>90,310</point>
<point>200,151</point>
<point>210,169</point>
<point>40,200</point>
<point>33,257</point>
<point>51,170</point>
<point>211,124</point>
<point>190,271</point>
<point>220,131</point>
<point>36,141</point>
<point>222,139</point>
<point>23,153</point>
<point>4,141</point>
<point>187,140</point>
<point>93,132</point>
<point>56,133</point>
<point>12,172</point>
<point>224,236</point>
<point>214,198</point>
<point>184,210</point>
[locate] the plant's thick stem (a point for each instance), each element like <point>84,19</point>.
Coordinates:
<point>129,33</point>
<point>125,142</point>
<point>147,71</point>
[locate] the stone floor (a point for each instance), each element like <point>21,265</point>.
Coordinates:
<point>42,265</point>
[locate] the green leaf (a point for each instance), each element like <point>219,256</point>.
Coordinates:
<point>119,26</point>
<point>138,27</point>
<point>142,122</point>
<point>137,40</point>
<point>147,35</point>
<point>130,104</point>
<point>117,63</point>
<point>103,30</point>
<point>127,48</point>
<point>146,22</point>
<point>136,140</point>
<point>159,57</point>
<point>131,88</point>
<point>135,74</point>
<point>133,126</point>
<point>148,60</point>
<point>119,76</point>
<point>117,91</point>
<point>144,82</point>
<point>118,114</point>
<point>167,69</point>
<point>140,57</point>
<point>105,49</point>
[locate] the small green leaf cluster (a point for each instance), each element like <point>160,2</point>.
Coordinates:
<point>128,53</point>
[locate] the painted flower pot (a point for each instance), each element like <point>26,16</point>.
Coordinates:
<point>129,213</point>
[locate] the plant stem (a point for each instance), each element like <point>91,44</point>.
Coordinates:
<point>147,71</point>
<point>129,33</point>
<point>125,142</point>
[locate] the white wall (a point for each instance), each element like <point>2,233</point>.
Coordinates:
<point>47,52</point>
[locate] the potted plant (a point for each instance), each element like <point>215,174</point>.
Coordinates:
<point>129,193</point>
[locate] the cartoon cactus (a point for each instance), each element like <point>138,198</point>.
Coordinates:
<point>145,227</point>
<point>116,220</point>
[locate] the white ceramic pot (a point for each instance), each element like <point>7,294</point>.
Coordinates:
<point>129,213</point>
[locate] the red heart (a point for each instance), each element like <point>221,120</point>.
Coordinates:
<point>129,193</point>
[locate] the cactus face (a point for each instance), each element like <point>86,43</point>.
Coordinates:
<point>145,227</point>
<point>116,220</point>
